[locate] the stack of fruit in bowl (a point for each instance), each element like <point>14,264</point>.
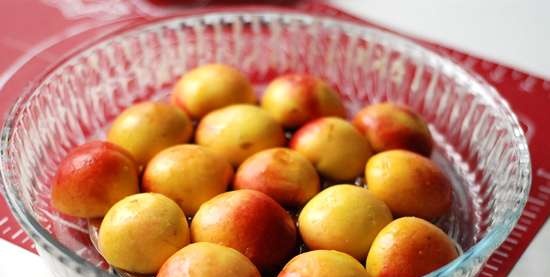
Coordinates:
<point>211,184</point>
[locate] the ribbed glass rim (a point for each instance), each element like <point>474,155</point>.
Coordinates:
<point>478,253</point>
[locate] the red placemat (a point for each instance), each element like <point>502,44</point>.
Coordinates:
<point>47,22</point>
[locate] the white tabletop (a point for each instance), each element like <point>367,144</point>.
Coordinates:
<point>511,32</point>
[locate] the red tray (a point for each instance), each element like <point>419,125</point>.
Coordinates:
<point>529,96</point>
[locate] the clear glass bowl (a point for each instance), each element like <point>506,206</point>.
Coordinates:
<point>479,143</point>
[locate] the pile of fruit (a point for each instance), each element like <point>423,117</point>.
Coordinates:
<point>288,188</point>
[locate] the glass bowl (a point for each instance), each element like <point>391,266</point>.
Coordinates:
<point>479,143</point>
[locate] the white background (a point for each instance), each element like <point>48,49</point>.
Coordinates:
<point>511,32</point>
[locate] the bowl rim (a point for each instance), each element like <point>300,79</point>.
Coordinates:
<point>480,251</point>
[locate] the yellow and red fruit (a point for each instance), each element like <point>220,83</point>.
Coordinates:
<point>410,184</point>
<point>323,263</point>
<point>284,174</point>
<point>409,247</point>
<point>345,218</point>
<point>336,149</point>
<point>188,174</point>
<point>141,231</point>
<point>237,132</point>
<point>211,87</point>
<point>250,222</point>
<point>204,259</point>
<point>389,126</point>
<point>295,99</point>
<point>92,178</point>
<point>148,128</point>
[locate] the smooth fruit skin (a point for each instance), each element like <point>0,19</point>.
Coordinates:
<point>323,263</point>
<point>149,127</point>
<point>295,99</point>
<point>188,174</point>
<point>211,87</point>
<point>239,131</point>
<point>92,178</point>
<point>345,218</point>
<point>250,222</point>
<point>409,247</point>
<point>285,175</point>
<point>389,126</point>
<point>337,150</point>
<point>204,259</point>
<point>410,184</point>
<point>140,232</point>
